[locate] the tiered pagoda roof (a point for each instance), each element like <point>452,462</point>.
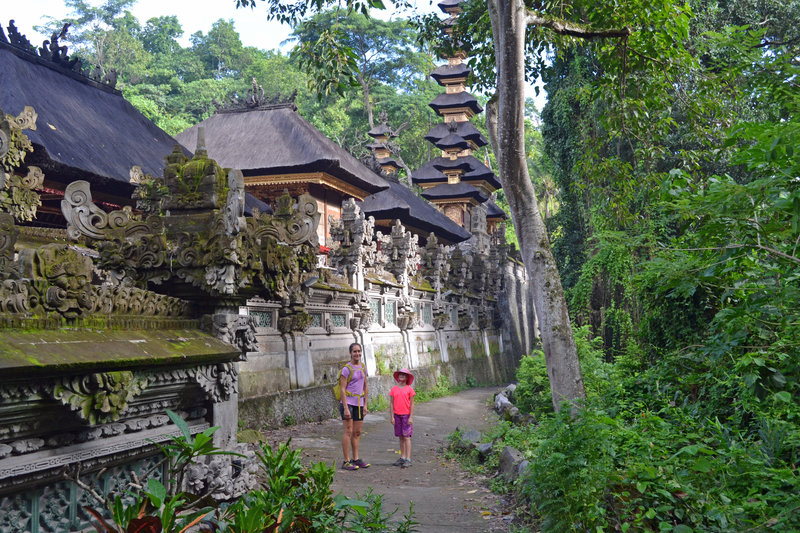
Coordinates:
<point>466,130</point>
<point>451,73</point>
<point>456,178</point>
<point>449,191</point>
<point>380,148</point>
<point>447,103</point>
<point>401,203</point>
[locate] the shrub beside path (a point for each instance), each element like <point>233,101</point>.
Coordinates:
<point>446,498</point>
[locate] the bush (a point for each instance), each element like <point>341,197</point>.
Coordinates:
<point>291,497</point>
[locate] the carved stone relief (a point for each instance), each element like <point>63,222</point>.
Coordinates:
<point>218,381</point>
<point>99,398</point>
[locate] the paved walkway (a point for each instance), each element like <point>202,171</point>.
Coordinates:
<point>446,499</point>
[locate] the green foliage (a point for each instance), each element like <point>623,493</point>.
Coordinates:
<point>532,394</point>
<point>443,387</point>
<point>291,497</point>
<point>298,499</point>
<point>151,503</point>
<point>378,403</point>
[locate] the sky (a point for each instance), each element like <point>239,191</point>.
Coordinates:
<point>194,15</point>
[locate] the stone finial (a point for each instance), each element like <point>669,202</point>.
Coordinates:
<point>201,143</point>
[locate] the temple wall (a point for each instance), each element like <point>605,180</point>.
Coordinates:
<point>317,403</point>
<point>271,395</point>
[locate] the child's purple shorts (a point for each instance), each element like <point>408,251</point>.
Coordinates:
<point>401,426</point>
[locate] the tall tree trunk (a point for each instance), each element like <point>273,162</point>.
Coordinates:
<point>508,19</point>
<point>367,100</point>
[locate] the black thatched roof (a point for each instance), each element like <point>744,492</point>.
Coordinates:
<point>447,72</point>
<point>474,170</point>
<point>251,203</point>
<point>478,171</point>
<point>467,130</point>
<point>494,210</point>
<point>454,190</point>
<point>454,100</point>
<point>277,140</point>
<point>84,129</point>
<point>452,141</point>
<point>399,202</point>
<point>445,5</point>
<point>428,173</point>
<point>445,163</point>
<point>388,161</point>
<point>380,130</point>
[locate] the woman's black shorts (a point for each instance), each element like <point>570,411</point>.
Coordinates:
<point>356,412</point>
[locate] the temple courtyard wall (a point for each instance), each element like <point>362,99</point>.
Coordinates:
<point>290,379</point>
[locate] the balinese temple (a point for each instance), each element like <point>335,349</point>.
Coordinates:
<point>380,148</point>
<point>70,105</point>
<point>277,150</point>
<point>73,105</point>
<point>457,183</point>
<point>401,203</point>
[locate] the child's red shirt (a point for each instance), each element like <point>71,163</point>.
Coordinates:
<point>401,397</point>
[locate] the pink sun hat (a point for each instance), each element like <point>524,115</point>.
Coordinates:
<point>407,373</point>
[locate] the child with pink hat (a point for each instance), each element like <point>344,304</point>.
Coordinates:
<point>401,406</point>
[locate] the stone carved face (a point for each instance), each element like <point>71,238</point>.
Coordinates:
<point>64,278</point>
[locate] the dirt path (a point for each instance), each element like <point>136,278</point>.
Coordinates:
<point>446,499</point>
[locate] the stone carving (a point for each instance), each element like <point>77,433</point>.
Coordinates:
<point>14,297</point>
<point>291,225</point>
<point>60,276</point>
<point>218,381</point>
<point>434,263</point>
<point>26,120</point>
<point>406,316</point>
<point>216,476</point>
<point>99,398</point>
<point>8,237</point>
<point>84,218</point>
<point>464,317</point>
<point>255,99</point>
<point>353,248</point>
<point>205,241</point>
<point>461,272</point>
<point>238,330</point>
<point>17,195</point>
<point>234,206</point>
<point>149,191</point>
<point>198,183</point>
<point>5,139</point>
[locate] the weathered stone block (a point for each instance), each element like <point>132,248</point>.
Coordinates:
<point>510,459</point>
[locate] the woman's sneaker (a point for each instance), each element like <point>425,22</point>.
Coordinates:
<point>406,463</point>
<point>359,463</point>
<point>399,462</point>
<point>349,465</point>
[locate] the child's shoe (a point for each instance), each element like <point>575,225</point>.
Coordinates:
<point>406,463</point>
<point>349,465</point>
<point>399,462</point>
<point>360,463</point>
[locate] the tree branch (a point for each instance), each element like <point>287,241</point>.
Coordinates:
<point>574,29</point>
<point>767,249</point>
